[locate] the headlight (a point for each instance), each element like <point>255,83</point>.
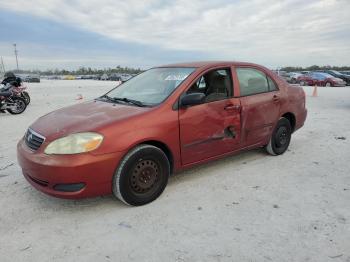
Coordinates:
<point>75,144</point>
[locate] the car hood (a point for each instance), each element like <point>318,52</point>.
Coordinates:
<point>336,79</point>
<point>88,116</point>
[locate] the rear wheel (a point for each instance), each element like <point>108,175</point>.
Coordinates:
<point>302,83</point>
<point>19,105</point>
<point>141,176</point>
<point>280,137</point>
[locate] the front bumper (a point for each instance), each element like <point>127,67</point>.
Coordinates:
<point>68,176</point>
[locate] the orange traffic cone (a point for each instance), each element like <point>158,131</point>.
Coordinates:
<point>314,93</point>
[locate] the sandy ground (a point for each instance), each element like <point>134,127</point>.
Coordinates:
<point>249,207</point>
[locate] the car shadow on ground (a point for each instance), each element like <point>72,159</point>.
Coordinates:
<point>45,202</point>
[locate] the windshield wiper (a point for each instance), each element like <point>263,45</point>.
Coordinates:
<point>130,101</point>
<point>125,100</point>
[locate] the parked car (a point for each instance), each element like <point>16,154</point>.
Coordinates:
<point>32,79</point>
<point>283,74</point>
<point>293,77</point>
<point>104,77</point>
<point>320,79</point>
<point>53,77</point>
<point>337,74</point>
<point>115,77</point>
<point>128,141</point>
<point>125,77</point>
<point>306,80</point>
<point>69,77</point>
<point>96,77</point>
<point>345,73</point>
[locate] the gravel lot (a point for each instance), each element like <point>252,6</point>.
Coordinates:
<point>249,207</point>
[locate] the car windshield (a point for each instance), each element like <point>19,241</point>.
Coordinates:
<point>151,87</point>
<point>336,72</point>
<point>326,75</point>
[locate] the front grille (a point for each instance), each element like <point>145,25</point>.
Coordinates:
<point>39,181</point>
<point>33,140</point>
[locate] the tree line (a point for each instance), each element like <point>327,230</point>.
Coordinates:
<point>130,70</point>
<point>314,68</point>
<point>82,71</point>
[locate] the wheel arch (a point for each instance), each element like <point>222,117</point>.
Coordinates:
<point>291,118</point>
<point>164,148</point>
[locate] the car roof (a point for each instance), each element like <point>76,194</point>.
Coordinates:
<point>206,64</point>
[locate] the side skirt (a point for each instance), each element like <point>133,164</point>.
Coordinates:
<point>257,145</point>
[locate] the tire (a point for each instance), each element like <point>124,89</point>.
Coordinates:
<point>26,97</point>
<point>280,138</point>
<point>328,84</point>
<point>20,106</point>
<point>141,176</point>
<point>302,83</point>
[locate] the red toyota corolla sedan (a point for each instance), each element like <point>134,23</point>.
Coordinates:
<point>128,141</point>
<point>320,79</point>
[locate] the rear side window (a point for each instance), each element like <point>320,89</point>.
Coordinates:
<point>252,81</point>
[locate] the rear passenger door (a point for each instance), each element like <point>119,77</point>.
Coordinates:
<point>260,102</point>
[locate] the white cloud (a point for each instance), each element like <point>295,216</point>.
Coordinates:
<point>271,32</point>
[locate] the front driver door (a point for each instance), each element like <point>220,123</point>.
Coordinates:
<point>212,128</point>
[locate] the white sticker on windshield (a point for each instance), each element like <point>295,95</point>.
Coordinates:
<point>179,77</point>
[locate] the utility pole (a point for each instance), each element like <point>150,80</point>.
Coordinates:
<point>16,53</point>
<point>2,65</point>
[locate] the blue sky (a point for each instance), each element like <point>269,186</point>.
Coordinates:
<point>59,45</point>
<point>107,33</point>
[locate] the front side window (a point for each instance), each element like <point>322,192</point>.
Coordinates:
<point>319,76</point>
<point>336,73</point>
<point>151,87</point>
<point>272,85</point>
<point>215,85</point>
<point>252,81</point>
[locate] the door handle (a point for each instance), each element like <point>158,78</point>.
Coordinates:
<point>232,107</point>
<point>276,98</point>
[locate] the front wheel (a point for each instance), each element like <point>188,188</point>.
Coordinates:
<point>26,97</point>
<point>141,176</point>
<point>280,137</point>
<point>328,84</point>
<point>18,106</point>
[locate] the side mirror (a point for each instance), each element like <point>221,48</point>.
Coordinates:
<point>192,99</point>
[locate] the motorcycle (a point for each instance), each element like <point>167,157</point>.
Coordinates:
<point>11,103</point>
<point>18,91</point>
